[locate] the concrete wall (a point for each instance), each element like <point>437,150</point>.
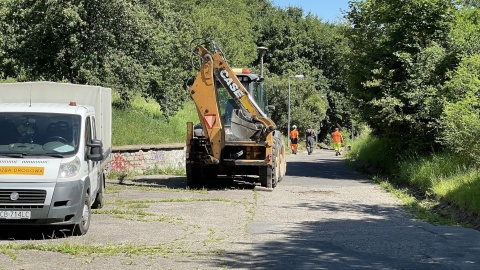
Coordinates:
<point>139,158</point>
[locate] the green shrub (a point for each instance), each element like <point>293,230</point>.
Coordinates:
<point>460,122</point>
<point>367,150</point>
<point>462,189</point>
<point>136,127</point>
<point>426,172</point>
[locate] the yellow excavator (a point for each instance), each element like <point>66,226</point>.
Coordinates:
<point>235,137</point>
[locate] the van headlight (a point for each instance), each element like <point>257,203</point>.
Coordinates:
<point>69,169</point>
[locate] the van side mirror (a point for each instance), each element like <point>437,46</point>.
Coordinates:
<point>96,150</point>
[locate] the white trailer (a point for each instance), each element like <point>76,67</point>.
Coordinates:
<point>55,141</point>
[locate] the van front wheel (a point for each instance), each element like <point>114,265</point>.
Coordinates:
<point>82,226</point>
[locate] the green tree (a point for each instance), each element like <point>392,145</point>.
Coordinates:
<point>127,45</point>
<point>308,105</point>
<point>301,44</point>
<point>465,34</point>
<point>228,23</point>
<point>470,3</point>
<point>460,126</point>
<point>398,62</point>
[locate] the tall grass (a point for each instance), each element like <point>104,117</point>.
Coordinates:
<point>442,176</point>
<point>427,171</point>
<point>143,123</point>
<point>463,189</point>
<point>368,151</point>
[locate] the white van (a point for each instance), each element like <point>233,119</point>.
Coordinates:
<point>55,141</point>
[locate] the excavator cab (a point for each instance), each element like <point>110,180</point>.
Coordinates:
<point>254,85</point>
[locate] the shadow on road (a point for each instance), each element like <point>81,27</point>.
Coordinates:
<point>322,165</point>
<point>383,240</point>
<point>362,236</point>
<point>10,232</point>
<point>179,182</point>
<point>319,165</point>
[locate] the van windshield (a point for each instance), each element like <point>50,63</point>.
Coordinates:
<point>27,134</point>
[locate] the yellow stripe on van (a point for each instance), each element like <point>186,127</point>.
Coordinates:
<point>22,170</point>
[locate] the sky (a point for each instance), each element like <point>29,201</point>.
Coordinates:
<point>327,10</point>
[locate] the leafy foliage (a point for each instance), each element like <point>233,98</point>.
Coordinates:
<point>307,46</point>
<point>465,35</point>
<point>461,116</point>
<point>143,47</point>
<point>230,26</point>
<point>114,43</point>
<point>398,61</point>
<point>308,105</point>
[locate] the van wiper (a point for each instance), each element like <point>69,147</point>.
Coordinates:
<point>14,155</point>
<point>55,155</point>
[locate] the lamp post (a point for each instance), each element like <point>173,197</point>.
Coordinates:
<point>261,51</point>
<point>300,76</point>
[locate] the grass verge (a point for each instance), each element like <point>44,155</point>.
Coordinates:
<point>440,188</point>
<point>138,215</point>
<point>115,188</point>
<point>164,249</point>
<point>143,125</point>
<point>130,175</point>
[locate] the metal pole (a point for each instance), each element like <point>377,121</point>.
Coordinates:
<point>288,131</point>
<point>296,76</point>
<point>261,51</point>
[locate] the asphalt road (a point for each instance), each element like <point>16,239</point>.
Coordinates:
<point>323,215</point>
<point>326,216</point>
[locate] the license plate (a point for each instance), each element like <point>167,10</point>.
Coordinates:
<point>15,214</point>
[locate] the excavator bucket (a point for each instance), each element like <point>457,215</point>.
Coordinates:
<point>243,127</point>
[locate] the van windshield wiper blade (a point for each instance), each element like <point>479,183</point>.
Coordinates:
<point>55,155</point>
<point>14,155</point>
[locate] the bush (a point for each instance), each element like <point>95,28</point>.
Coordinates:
<point>425,172</point>
<point>367,150</point>
<point>135,127</point>
<point>460,122</point>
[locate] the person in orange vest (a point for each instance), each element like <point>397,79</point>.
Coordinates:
<point>294,139</point>
<point>337,141</point>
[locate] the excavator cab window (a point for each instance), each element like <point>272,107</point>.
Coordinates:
<point>256,89</point>
<point>260,96</point>
<point>227,104</point>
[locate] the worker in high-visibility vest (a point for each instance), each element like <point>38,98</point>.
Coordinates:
<point>337,141</point>
<point>294,139</point>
